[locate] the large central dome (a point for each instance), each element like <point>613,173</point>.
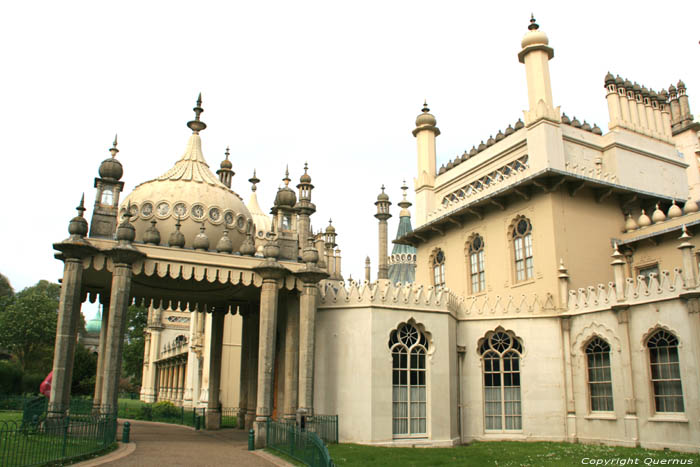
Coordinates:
<point>190,192</point>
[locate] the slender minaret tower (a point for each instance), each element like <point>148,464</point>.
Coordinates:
<point>425,133</point>
<point>536,54</point>
<point>685,137</point>
<point>383,215</point>
<point>367,269</point>
<point>402,262</point>
<point>225,173</point>
<point>104,215</point>
<point>329,245</point>
<point>305,207</point>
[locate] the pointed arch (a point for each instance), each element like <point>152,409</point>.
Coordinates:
<point>520,238</point>
<point>474,252</point>
<point>437,265</point>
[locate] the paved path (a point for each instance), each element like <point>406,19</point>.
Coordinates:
<point>161,445</point>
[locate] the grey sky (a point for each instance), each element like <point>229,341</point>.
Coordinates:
<point>337,85</point>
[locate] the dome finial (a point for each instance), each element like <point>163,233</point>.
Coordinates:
<point>227,152</point>
<point>533,25</point>
<point>113,150</point>
<point>254,180</point>
<point>81,206</point>
<point>425,108</point>
<point>286,178</point>
<point>196,125</point>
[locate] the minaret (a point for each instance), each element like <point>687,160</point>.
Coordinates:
<point>104,214</point>
<point>613,101</point>
<point>305,207</point>
<point>383,215</point>
<point>367,269</point>
<point>425,133</point>
<point>536,54</point>
<point>685,137</point>
<point>225,173</point>
<point>262,222</point>
<point>285,220</point>
<point>329,245</point>
<point>402,262</point>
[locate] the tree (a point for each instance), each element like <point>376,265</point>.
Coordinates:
<point>6,289</point>
<point>84,371</point>
<point>28,326</point>
<point>134,343</point>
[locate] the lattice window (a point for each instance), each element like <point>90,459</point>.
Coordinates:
<point>665,372</point>
<point>522,249</point>
<point>438,260</point>
<point>501,351</point>
<point>476,264</point>
<point>599,375</point>
<point>408,347</point>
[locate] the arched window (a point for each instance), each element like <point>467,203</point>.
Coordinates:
<point>522,249</point>
<point>599,375</point>
<point>438,269</point>
<point>501,351</point>
<point>408,350</point>
<point>665,372</point>
<point>476,264</point>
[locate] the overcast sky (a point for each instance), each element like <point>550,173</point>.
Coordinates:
<point>337,85</point>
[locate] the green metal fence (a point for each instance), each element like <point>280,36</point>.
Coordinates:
<point>325,427</point>
<point>304,446</point>
<point>229,417</point>
<point>54,439</point>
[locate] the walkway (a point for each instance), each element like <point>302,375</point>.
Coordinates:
<point>160,444</point>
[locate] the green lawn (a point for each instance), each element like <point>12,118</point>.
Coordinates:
<point>131,403</point>
<point>503,453</point>
<point>11,416</point>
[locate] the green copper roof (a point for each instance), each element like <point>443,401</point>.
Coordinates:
<point>94,325</point>
<point>404,271</point>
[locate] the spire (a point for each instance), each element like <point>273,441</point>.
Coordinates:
<point>533,25</point>
<point>286,178</point>
<point>113,150</point>
<point>196,125</point>
<point>81,206</point>
<point>254,180</point>
<point>404,204</point>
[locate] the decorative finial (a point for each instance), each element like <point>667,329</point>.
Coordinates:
<point>254,180</point>
<point>404,187</point>
<point>425,108</point>
<point>81,206</point>
<point>286,178</point>
<point>382,188</point>
<point>685,234</point>
<point>113,150</point>
<point>306,167</point>
<point>227,152</point>
<point>330,221</point>
<point>196,125</point>
<point>533,25</point>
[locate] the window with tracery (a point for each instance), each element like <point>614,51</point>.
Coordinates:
<point>599,375</point>
<point>476,264</point>
<point>501,354</point>
<point>408,347</point>
<point>665,372</point>
<point>439,269</point>
<point>522,249</point>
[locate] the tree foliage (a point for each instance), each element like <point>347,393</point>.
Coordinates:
<point>84,371</point>
<point>134,343</point>
<point>28,325</point>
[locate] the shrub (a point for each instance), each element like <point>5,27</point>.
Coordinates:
<point>165,409</point>
<point>31,382</point>
<point>11,378</point>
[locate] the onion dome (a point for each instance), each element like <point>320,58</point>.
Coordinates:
<point>609,79</point>
<point>636,88</point>
<point>286,197</point>
<point>201,241</point>
<point>519,124</point>
<point>658,215</point>
<point>690,206</point>
<point>226,163</point>
<point>271,250</point>
<point>672,90</point>
<point>619,81</point>
<point>663,96</point>
<point>473,152</point>
<point>481,146</point>
<point>78,226</point>
<point>627,84</point>
<point>465,155</point>
<point>630,223</point>
<point>643,220</point>
<point>190,192</point>
<point>565,119</point>
<point>262,223</point>
<point>653,95</point>
<point>680,85</point>
<point>442,170</point>
<point>94,325</point>
<point>125,231</point>
<point>331,229</point>
<point>645,91</point>
<point>152,235</point>
<point>534,36</point>
<point>224,244</point>
<point>509,130</point>
<point>490,141</point>
<point>674,210</point>
<point>425,118</point>
<point>177,239</point>
<point>586,126</point>
<point>111,168</point>
<point>449,165</point>
<point>500,135</point>
<point>575,123</point>
<point>380,197</point>
<point>305,178</point>
<point>596,130</point>
<point>310,254</point>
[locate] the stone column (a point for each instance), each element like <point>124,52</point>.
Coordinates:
<point>206,358</point>
<point>171,381</point>
<point>99,376</point>
<point>252,359</point>
<point>73,250</point>
<point>291,360</point>
<point>631,420</point>
<point>188,395</point>
<point>147,368</point>
<point>245,370</point>
<point>181,388</point>
<point>151,392</point>
<point>123,256</point>
<point>272,272</point>
<point>689,263</point>
<point>383,215</point>
<point>216,340</point>
<point>307,333</point>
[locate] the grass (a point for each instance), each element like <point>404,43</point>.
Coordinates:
<point>501,453</point>
<point>283,456</point>
<point>11,416</point>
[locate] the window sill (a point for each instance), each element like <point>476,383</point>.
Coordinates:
<point>478,294</point>
<point>522,283</point>
<point>601,416</point>
<point>672,418</point>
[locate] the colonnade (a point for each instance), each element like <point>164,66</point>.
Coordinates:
<point>170,379</point>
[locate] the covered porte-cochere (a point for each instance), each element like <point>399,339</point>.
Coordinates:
<point>277,300</point>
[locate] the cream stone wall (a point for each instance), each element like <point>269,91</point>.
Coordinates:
<point>231,361</point>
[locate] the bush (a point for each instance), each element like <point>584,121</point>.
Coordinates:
<point>145,412</point>
<point>165,409</point>
<point>11,378</point>
<point>31,382</point>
